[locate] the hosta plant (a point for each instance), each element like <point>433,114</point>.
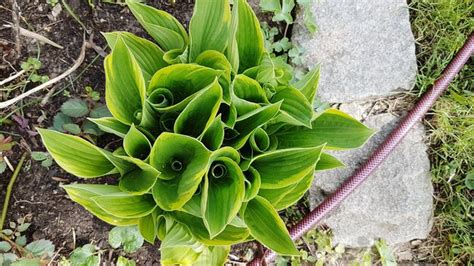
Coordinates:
<point>217,136</point>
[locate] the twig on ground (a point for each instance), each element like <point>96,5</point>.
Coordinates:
<point>11,78</point>
<point>16,27</point>
<point>36,36</point>
<point>9,190</point>
<point>47,96</point>
<point>78,62</point>
<point>5,159</point>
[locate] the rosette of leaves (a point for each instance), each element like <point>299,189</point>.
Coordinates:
<point>216,136</point>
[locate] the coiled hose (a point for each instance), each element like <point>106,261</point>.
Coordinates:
<point>382,152</point>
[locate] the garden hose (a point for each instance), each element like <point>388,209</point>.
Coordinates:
<point>382,151</point>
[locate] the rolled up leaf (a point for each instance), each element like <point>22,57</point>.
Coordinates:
<point>267,227</point>
<point>124,94</point>
<point>76,155</point>
<point>282,168</point>
<point>252,183</point>
<point>247,123</point>
<point>213,136</point>
<point>211,33</point>
<point>183,81</point>
<point>338,130</point>
<point>216,60</point>
<point>200,112</point>
<point>222,194</point>
<point>83,194</point>
<point>182,162</point>
<point>136,144</point>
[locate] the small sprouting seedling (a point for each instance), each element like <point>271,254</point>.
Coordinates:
<point>126,236</point>
<point>15,250</point>
<point>92,94</point>
<point>52,3</point>
<point>122,261</point>
<point>32,65</point>
<point>43,157</point>
<point>386,255</point>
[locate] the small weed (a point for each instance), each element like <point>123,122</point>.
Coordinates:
<point>43,157</point>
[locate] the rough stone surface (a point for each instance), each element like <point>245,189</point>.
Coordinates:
<point>365,48</point>
<point>395,203</point>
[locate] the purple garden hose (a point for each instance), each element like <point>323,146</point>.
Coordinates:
<point>382,152</point>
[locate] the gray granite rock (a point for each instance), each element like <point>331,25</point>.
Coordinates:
<point>395,202</point>
<point>365,48</point>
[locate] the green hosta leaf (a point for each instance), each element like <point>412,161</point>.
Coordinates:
<point>282,168</point>
<point>83,194</point>
<point>247,94</point>
<point>267,227</point>
<point>209,28</point>
<point>163,27</point>
<point>125,93</point>
<point>40,248</point>
<point>75,108</point>
<point>174,56</point>
<point>200,112</point>
<point>228,114</point>
<point>214,256</point>
<point>333,127</point>
<point>136,144</point>
<point>148,226</point>
<point>249,37</point>
<point>222,194</point>
<point>285,197</point>
<point>181,81</point>
<point>147,54</point>
<point>75,155</point>
<point>179,247</point>
<point>129,237</point>
<point>139,181</point>
<point>252,120</point>
<point>218,61</point>
<point>182,162</point>
<point>308,85</point>
<point>252,183</point>
<point>327,161</point>
<point>294,106</point>
<point>213,136</point>
<point>111,125</point>
<point>232,51</point>
<point>232,234</point>
<point>125,205</point>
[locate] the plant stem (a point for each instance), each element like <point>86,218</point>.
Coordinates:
<point>9,190</point>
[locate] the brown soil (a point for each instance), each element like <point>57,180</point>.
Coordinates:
<point>36,195</point>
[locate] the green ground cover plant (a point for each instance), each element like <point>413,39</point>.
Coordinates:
<point>440,29</point>
<point>217,135</point>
